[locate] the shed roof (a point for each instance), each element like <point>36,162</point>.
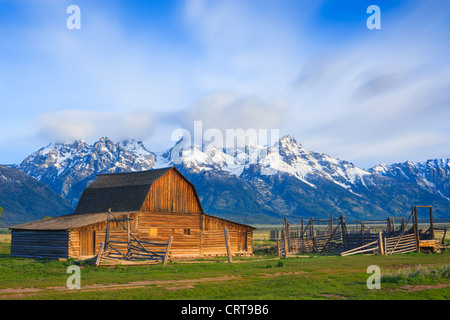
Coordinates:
<point>66,222</point>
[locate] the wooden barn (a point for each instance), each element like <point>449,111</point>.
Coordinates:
<point>155,204</point>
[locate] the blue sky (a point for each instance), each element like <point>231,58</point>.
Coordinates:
<point>141,69</point>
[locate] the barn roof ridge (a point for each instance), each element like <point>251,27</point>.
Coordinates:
<point>134,172</point>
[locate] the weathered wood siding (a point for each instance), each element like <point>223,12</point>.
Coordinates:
<point>194,234</point>
<point>241,237</point>
<point>171,208</point>
<point>171,193</point>
<point>39,244</point>
<point>185,229</point>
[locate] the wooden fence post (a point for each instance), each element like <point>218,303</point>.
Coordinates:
<point>128,237</point>
<point>416,229</point>
<point>302,230</point>
<point>288,234</point>
<point>344,232</point>
<point>227,243</point>
<point>169,245</point>
<point>99,255</point>
<point>313,235</point>
<point>286,246</point>
<point>380,243</point>
<point>431,223</point>
<point>107,230</point>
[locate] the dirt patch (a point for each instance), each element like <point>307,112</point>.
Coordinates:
<point>176,288</point>
<point>334,296</point>
<point>411,288</point>
<point>14,293</point>
<point>167,284</point>
<point>279,274</point>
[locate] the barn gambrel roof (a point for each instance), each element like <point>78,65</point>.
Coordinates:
<point>121,192</point>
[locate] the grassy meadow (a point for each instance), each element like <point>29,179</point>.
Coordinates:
<point>264,276</point>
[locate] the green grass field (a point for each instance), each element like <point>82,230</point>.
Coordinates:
<point>261,277</point>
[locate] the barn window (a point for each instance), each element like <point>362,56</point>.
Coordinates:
<point>153,232</point>
<point>187,231</point>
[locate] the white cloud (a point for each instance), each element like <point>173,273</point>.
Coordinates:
<point>227,110</point>
<point>246,46</point>
<point>380,99</point>
<point>242,64</point>
<point>69,125</point>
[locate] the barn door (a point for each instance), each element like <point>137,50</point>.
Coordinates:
<point>242,241</point>
<point>87,243</point>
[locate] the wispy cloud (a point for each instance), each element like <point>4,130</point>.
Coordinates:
<point>69,125</point>
<point>298,66</point>
<point>228,110</point>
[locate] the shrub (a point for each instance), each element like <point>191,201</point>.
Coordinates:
<point>417,274</point>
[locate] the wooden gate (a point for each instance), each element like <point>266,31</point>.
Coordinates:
<point>130,250</point>
<point>402,244</point>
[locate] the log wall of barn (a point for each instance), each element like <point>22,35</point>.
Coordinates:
<point>185,229</point>
<point>39,244</point>
<point>194,234</point>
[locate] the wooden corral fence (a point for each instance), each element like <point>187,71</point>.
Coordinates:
<point>310,238</point>
<point>130,250</point>
<point>395,235</point>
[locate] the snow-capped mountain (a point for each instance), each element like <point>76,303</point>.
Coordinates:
<point>286,156</point>
<point>69,168</point>
<point>255,182</point>
<point>431,175</point>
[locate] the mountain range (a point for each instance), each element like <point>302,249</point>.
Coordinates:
<point>25,199</point>
<point>255,184</point>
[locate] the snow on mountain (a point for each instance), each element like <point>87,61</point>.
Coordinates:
<point>68,167</point>
<point>286,156</point>
<point>69,163</point>
<point>269,178</point>
<point>292,158</point>
<point>431,175</point>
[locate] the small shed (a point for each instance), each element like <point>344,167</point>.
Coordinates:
<point>159,203</point>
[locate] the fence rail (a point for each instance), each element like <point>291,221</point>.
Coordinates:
<point>401,244</point>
